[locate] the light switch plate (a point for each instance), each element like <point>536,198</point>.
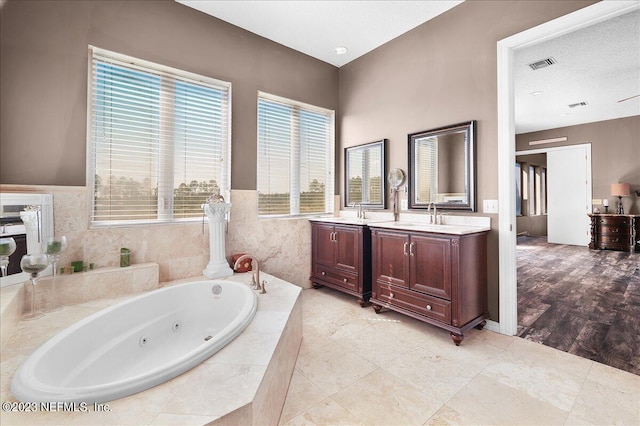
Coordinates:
<point>490,206</point>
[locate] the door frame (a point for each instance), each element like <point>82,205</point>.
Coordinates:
<point>589,183</point>
<point>598,12</point>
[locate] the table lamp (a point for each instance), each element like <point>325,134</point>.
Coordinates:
<point>620,190</point>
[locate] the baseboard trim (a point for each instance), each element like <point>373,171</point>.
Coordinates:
<point>492,326</point>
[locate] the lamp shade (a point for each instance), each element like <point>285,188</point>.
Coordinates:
<point>620,189</point>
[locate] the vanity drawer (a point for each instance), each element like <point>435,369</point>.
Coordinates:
<point>428,306</point>
<point>342,279</point>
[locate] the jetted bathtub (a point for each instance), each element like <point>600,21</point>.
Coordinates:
<point>136,344</point>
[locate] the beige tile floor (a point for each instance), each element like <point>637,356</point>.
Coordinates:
<point>356,367</point>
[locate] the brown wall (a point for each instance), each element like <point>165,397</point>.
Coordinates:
<point>440,73</point>
<point>43,77</point>
<point>615,154</point>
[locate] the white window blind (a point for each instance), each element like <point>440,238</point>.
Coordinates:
<point>295,157</point>
<point>158,140</point>
<point>426,167</point>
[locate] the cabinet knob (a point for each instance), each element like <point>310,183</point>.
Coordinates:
<point>345,280</point>
<point>391,295</point>
<point>429,307</point>
<point>323,273</point>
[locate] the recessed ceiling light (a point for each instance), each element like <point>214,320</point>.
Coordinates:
<point>340,50</point>
<point>537,93</point>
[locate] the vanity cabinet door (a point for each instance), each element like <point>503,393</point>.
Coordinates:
<point>347,248</point>
<point>323,245</point>
<point>430,265</point>
<point>391,263</point>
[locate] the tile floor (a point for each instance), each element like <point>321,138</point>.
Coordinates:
<point>356,367</point>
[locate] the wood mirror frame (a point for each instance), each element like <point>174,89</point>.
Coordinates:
<point>367,162</point>
<point>442,168</point>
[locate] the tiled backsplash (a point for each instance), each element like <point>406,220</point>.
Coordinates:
<point>181,250</point>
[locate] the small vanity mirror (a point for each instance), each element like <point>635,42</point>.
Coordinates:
<point>395,178</point>
<point>364,175</point>
<point>442,168</point>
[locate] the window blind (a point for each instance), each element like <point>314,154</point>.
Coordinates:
<point>158,140</point>
<point>295,157</point>
<point>426,164</point>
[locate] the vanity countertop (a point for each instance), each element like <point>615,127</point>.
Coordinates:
<point>346,220</point>
<point>429,227</point>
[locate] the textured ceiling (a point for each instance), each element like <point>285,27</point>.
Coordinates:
<point>318,27</point>
<point>599,65</point>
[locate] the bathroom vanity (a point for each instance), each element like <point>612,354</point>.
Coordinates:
<point>341,256</point>
<point>434,273</point>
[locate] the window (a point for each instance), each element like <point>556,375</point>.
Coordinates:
<point>295,157</point>
<point>158,140</point>
<point>531,190</point>
<point>518,190</point>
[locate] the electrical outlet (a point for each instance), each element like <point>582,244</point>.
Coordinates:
<point>490,206</point>
<point>596,202</point>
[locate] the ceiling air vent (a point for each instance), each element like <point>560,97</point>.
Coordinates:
<point>542,63</point>
<point>578,104</point>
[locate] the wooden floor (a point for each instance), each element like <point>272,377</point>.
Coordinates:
<point>581,301</point>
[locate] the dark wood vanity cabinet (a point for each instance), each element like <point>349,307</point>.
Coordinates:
<point>440,279</point>
<point>615,232</point>
<point>341,259</point>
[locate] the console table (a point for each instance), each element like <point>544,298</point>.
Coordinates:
<point>619,232</point>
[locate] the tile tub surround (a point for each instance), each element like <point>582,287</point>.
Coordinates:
<point>80,287</point>
<point>356,367</point>
<point>283,246</point>
<point>245,383</point>
<point>11,306</point>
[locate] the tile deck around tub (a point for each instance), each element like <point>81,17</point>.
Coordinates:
<point>238,384</point>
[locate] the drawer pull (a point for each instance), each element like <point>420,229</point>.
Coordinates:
<point>429,307</point>
<point>345,280</point>
<point>391,295</point>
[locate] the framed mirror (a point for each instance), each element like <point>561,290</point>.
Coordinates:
<point>365,171</point>
<point>442,168</point>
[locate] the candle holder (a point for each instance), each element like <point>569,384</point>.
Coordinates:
<point>53,246</point>
<point>7,248</point>
<point>33,264</point>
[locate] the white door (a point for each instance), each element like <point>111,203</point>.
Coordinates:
<point>568,195</point>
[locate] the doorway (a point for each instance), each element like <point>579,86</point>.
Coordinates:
<point>568,193</point>
<point>506,139</point>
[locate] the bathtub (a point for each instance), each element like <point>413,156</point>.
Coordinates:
<point>136,344</point>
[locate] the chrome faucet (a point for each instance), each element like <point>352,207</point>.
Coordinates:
<point>259,285</point>
<point>433,218</point>
<point>360,211</point>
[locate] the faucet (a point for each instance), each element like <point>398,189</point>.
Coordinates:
<point>360,211</point>
<point>254,285</point>
<point>433,218</point>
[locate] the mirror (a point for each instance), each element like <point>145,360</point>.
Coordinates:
<point>395,178</point>
<point>442,168</point>
<point>364,175</point>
